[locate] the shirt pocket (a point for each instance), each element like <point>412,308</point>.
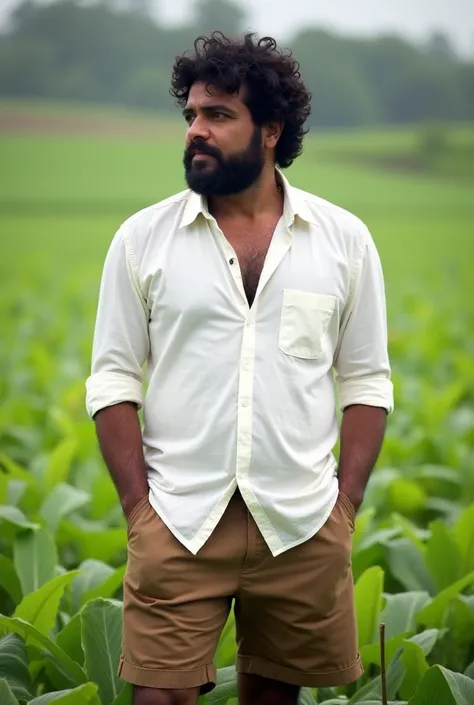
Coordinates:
<point>304,322</point>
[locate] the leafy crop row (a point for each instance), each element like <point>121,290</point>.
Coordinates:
<point>63,538</point>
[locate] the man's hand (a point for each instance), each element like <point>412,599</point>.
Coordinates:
<point>354,498</point>
<point>129,504</point>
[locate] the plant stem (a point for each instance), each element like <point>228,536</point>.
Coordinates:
<point>382,665</point>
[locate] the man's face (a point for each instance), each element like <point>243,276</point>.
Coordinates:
<point>224,153</point>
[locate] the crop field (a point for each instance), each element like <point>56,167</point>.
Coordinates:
<point>69,178</point>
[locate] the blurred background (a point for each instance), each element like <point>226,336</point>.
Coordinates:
<point>89,135</point>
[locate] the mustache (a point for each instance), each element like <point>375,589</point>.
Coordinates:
<point>200,147</point>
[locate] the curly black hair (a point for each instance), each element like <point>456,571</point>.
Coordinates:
<point>274,90</point>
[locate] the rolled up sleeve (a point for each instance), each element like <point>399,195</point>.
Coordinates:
<point>362,363</point>
<point>121,342</point>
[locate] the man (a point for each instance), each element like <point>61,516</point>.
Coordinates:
<point>242,294</point>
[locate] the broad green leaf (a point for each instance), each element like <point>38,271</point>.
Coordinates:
<point>69,639</point>
<point>306,697</point>
<point>371,654</point>
<point>6,695</point>
<point>101,622</point>
<point>470,671</point>
<point>61,501</point>
<point>40,608</point>
<point>461,686</point>
<point>15,518</point>
<point>446,508</point>
<point>57,677</point>
<point>443,556</point>
<point>439,480</point>
<point>16,490</point>
<point>395,671</point>
<point>35,638</point>
<point>226,651</point>
<point>60,463</point>
<point>101,544</point>
<point>83,695</point>
<point>14,666</point>
<point>408,566</point>
<point>433,614</point>
<point>362,525</point>
<point>15,470</point>
<point>226,687</point>
<point>439,686</point>
<point>103,496</point>
<point>415,664</point>
<point>399,613</point>
<point>125,697</point>
<point>460,621</point>
<point>9,579</point>
<point>469,601</point>
<point>410,531</point>
<point>35,558</point>
<point>328,694</point>
<point>92,573</point>
<point>368,598</point>
<point>464,533</point>
<point>406,496</point>
<point>426,640</point>
<point>109,587</point>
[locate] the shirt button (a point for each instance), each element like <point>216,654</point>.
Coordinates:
<point>232,260</point>
<point>245,403</point>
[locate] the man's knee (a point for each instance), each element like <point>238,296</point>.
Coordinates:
<point>160,696</point>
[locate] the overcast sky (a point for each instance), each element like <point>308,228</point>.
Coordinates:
<point>414,19</point>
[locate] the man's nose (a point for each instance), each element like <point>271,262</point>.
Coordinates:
<point>198,128</point>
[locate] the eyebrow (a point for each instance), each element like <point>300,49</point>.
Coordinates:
<point>210,109</point>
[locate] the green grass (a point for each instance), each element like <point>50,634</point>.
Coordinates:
<point>62,197</point>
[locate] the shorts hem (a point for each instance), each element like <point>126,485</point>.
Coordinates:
<point>316,679</point>
<point>203,677</point>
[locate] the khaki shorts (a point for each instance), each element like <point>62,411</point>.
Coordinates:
<point>295,616</point>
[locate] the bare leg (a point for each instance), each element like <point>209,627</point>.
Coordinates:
<point>160,696</point>
<point>254,690</point>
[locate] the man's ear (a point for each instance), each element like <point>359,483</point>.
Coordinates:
<point>271,134</point>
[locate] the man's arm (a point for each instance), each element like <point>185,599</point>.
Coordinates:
<point>363,376</point>
<point>362,432</point>
<point>120,439</point>
<point>114,388</point>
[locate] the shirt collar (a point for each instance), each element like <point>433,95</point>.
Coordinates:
<point>294,205</point>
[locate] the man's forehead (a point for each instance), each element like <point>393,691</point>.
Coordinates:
<point>203,94</point>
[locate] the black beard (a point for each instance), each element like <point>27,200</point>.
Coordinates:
<point>230,175</point>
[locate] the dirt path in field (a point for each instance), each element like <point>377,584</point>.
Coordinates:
<point>12,121</point>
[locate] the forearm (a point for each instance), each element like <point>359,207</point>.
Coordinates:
<point>362,433</point>
<point>120,439</point>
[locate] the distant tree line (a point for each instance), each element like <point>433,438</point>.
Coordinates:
<point>112,51</point>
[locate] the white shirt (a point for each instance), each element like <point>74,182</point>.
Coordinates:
<point>240,396</point>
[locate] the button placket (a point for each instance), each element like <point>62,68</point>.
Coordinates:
<point>245,399</point>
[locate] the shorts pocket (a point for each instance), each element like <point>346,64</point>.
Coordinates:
<point>304,322</point>
<point>349,508</point>
<point>135,513</point>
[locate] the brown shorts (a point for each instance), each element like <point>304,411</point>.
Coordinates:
<point>295,616</point>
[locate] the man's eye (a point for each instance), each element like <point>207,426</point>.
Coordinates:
<point>189,119</point>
